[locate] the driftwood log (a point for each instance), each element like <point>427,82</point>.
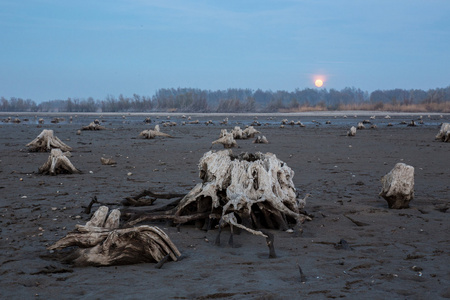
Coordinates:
<point>46,141</point>
<point>58,163</point>
<point>151,134</point>
<point>102,243</point>
<point>398,186</point>
<point>444,133</point>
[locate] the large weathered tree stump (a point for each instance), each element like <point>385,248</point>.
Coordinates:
<point>398,186</point>
<point>57,163</point>
<point>46,141</point>
<point>102,243</point>
<point>261,140</point>
<point>444,133</point>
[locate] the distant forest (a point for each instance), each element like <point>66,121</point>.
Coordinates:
<point>245,100</point>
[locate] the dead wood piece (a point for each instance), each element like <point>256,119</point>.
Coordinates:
<point>398,186</point>
<point>240,183</point>
<point>302,275</point>
<point>107,161</point>
<point>250,132</point>
<point>102,243</point>
<point>444,133</point>
<point>95,125</point>
<point>87,210</point>
<point>58,163</point>
<point>46,141</point>
<point>147,198</point>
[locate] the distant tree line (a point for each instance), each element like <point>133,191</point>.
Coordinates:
<point>241,100</point>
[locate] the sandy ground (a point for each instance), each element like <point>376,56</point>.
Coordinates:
<point>396,254</point>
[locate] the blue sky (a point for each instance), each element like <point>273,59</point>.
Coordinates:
<point>55,49</point>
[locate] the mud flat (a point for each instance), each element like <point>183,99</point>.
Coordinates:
<point>354,247</point>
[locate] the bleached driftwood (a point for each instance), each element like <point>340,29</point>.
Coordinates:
<point>261,140</point>
<point>398,186</point>
<point>444,133</point>
<point>102,243</point>
<point>352,131</point>
<point>95,125</point>
<point>227,140</point>
<point>46,141</point>
<point>57,163</point>
<point>151,134</point>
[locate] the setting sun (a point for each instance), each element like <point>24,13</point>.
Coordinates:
<point>318,82</point>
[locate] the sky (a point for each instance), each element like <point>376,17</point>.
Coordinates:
<point>55,49</point>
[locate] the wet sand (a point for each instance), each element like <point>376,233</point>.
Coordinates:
<point>396,254</point>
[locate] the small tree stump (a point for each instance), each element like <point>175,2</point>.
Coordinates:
<point>352,131</point>
<point>46,141</point>
<point>151,134</point>
<point>107,161</point>
<point>250,132</point>
<point>58,163</point>
<point>261,140</point>
<point>94,126</point>
<point>227,141</point>
<point>398,186</point>
<point>444,133</point>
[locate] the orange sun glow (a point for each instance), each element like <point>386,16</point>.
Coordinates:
<point>318,82</point>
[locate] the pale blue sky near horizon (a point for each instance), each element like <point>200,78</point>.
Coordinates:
<point>54,49</point>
